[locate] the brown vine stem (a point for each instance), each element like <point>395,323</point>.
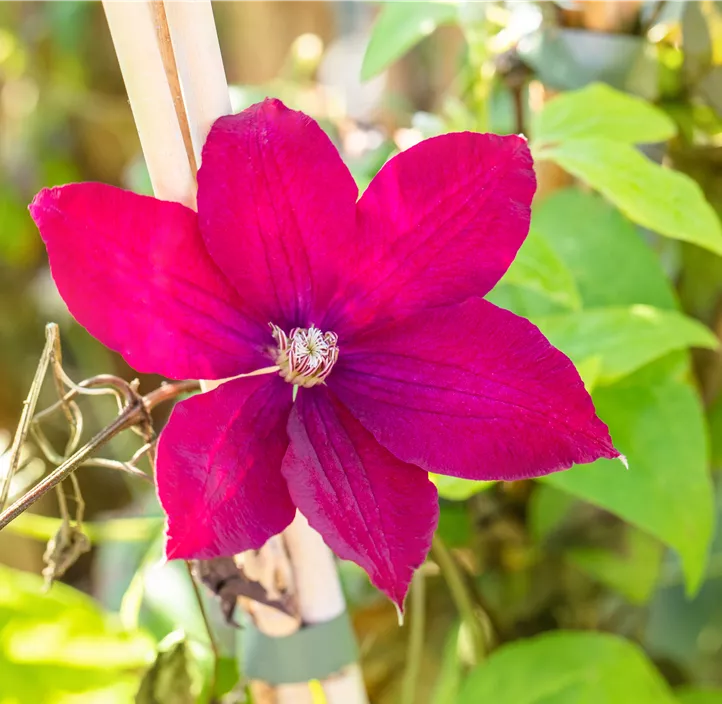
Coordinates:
<point>167,55</point>
<point>133,414</point>
<point>51,335</point>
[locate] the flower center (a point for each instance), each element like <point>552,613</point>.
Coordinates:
<point>305,356</point>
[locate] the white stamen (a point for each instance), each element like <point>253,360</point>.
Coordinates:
<point>305,356</point>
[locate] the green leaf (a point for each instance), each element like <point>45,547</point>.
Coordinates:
<point>626,339</point>
<point>547,509</point>
<point>590,370</point>
<point>57,644</point>
<point>399,27</point>
<point>171,677</point>
<point>663,200</point>
<point>714,417</point>
<point>694,695</point>
<point>604,252</point>
<point>567,668</point>
<point>538,268</point>
<point>600,111</point>
<point>123,530</point>
<point>457,489</point>
<point>633,571</point>
<point>658,423</point>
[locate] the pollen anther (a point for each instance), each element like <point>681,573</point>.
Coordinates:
<point>306,355</point>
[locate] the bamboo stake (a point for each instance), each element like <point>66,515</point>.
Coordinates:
<point>141,42</point>
<point>134,36</point>
<point>200,66</point>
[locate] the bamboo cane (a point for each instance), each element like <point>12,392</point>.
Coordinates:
<point>169,56</point>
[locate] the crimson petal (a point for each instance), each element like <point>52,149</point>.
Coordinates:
<point>472,391</point>
<point>367,505</point>
<point>134,271</point>
<point>219,469</point>
<point>277,206</point>
<point>439,223</point>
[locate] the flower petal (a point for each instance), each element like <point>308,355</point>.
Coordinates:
<point>368,506</point>
<point>134,271</point>
<point>276,208</point>
<point>219,469</point>
<point>440,222</point>
<point>472,391</point>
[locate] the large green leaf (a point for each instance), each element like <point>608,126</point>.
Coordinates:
<point>693,695</point>
<point>663,200</point>
<point>567,668</point>
<point>624,338</point>
<point>57,644</point>
<point>632,571</point>
<point>600,111</point>
<point>538,268</point>
<point>400,26</point>
<point>546,511</point>
<point>608,259</point>
<point>658,423</point>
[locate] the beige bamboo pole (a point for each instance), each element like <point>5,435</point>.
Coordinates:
<point>173,72</point>
<point>141,63</point>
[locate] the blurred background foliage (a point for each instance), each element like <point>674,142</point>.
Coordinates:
<point>595,585</point>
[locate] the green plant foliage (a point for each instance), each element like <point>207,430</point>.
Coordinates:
<point>632,571</point>
<point>448,683</point>
<point>692,695</point>
<point>538,268</point>
<point>58,644</point>
<point>170,678</point>
<point>547,509</point>
<point>610,262</point>
<point>626,338</point>
<point>614,115</point>
<point>666,201</point>
<point>399,27</point>
<point>658,422</point>
<point>567,668</point>
<point>457,489</point>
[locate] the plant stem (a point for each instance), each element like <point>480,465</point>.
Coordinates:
<point>462,598</point>
<point>133,414</point>
<point>415,650</point>
<point>209,630</point>
<point>51,332</point>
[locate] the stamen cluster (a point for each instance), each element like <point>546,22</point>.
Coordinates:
<point>306,355</point>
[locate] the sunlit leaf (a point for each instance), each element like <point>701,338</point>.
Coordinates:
<point>399,27</point>
<point>567,668</point>
<point>604,252</point>
<point>695,695</point>
<point>457,489</point>
<point>663,200</point>
<point>538,268</point>
<point>658,423</point>
<point>58,644</point>
<point>600,111</point>
<point>170,677</point>
<point>625,339</point>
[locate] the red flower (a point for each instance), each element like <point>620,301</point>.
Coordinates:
<point>377,322</point>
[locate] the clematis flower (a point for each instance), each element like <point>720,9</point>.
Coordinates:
<point>360,351</point>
